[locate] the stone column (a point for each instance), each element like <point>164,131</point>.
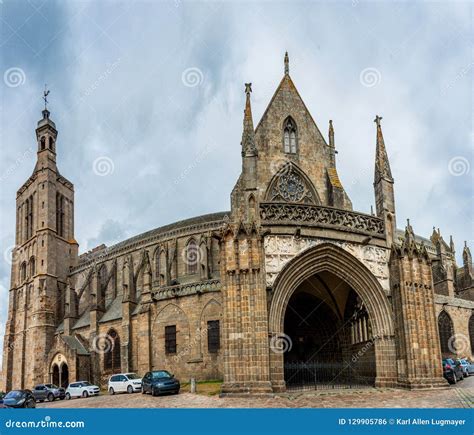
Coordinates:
<point>246,348</point>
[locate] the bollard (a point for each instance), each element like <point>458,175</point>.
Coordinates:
<point>193,385</point>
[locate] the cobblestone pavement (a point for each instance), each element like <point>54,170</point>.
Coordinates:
<point>450,397</point>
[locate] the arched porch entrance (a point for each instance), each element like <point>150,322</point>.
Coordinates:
<point>336,321</point>
<point>59,372</point>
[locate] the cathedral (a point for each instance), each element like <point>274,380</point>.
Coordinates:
<point>289,289</point>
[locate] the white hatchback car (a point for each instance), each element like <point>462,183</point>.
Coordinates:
<point>125,383</point>
<point>81,389</point>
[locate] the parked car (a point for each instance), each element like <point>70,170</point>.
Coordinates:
<point>19,399</point>
<point>467,367</point>
<point>48,392</point>
<point>125,382</point>
<point>452,371</point>
<point>81,389</point>
<point>160,381</point>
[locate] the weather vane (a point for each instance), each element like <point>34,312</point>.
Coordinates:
<point>45,96</point>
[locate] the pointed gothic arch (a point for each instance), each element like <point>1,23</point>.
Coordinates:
<point>112,352</point>
<point>290,136</point>
<point>329,258</point>
<point>192,256</point>
<point>291,184</point>
<point>446,332</point>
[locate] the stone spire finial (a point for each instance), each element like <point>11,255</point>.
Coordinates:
<point>467,260</point>
<point>287,64</point>
<point>451,245</point>
<point>248,134</point>
<point>382,165</point>
<point>331,135</point>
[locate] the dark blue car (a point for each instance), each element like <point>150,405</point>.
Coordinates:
<point>160,382</point>
<point>19,399</point>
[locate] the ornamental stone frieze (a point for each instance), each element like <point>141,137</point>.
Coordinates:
<point>314,215</point>
<point>280,249</point>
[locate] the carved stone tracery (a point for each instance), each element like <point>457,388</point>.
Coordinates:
<point>305,214</point>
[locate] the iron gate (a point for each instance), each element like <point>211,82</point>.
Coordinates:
<point>318,375</point>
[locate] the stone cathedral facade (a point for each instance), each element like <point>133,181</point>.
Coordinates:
<point>265,296</point>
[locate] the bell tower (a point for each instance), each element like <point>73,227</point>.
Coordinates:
<point>44,252</point>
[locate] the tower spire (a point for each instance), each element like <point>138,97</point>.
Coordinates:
<point>287,64</point>
<point>382,165</point>
<point>383,186</point>
<point>248,134</point>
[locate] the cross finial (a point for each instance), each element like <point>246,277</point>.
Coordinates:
<point>287,64</point>
<point>45,96</point>
<point>248,88</point>
<point>377,120</point>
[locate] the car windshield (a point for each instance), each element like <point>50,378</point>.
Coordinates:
<point>50,386</point>
<point>85,384</point>
<point>14,395</point>
<point>132,376</point>
<point>161,374</point>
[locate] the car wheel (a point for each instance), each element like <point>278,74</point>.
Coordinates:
<point>68,396</point>
<point>143,391</point>
<point>154,392</point>
<point>111,391</point>
<point>50,397</point>
<point>129,389</point>
<point>85,394</point>
<point>30,404</point>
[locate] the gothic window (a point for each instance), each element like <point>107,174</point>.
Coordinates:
<point>23,271</point>
<point>60,214</point>
<point>51,143</point>
<point>29,217</point>
<point>32,266</point>
<point>471,333</point>
<point>446,332</point>
<point>170,339</point>
<point>192,257</point>
<point>157,263</point>
<point>289,136</point>
<point>43,143</point>
<point>112,351</point>
<point>213,336</point>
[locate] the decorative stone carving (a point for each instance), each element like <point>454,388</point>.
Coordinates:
<point>161,293</point>
<point>290,185</point>
<point>279,250</point>
<point>313,215</point>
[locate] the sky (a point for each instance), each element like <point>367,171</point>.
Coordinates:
<point>148,99</point>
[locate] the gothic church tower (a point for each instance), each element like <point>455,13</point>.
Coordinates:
<point>45,250</point>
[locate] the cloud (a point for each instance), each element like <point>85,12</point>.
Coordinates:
<point>115,71</point>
